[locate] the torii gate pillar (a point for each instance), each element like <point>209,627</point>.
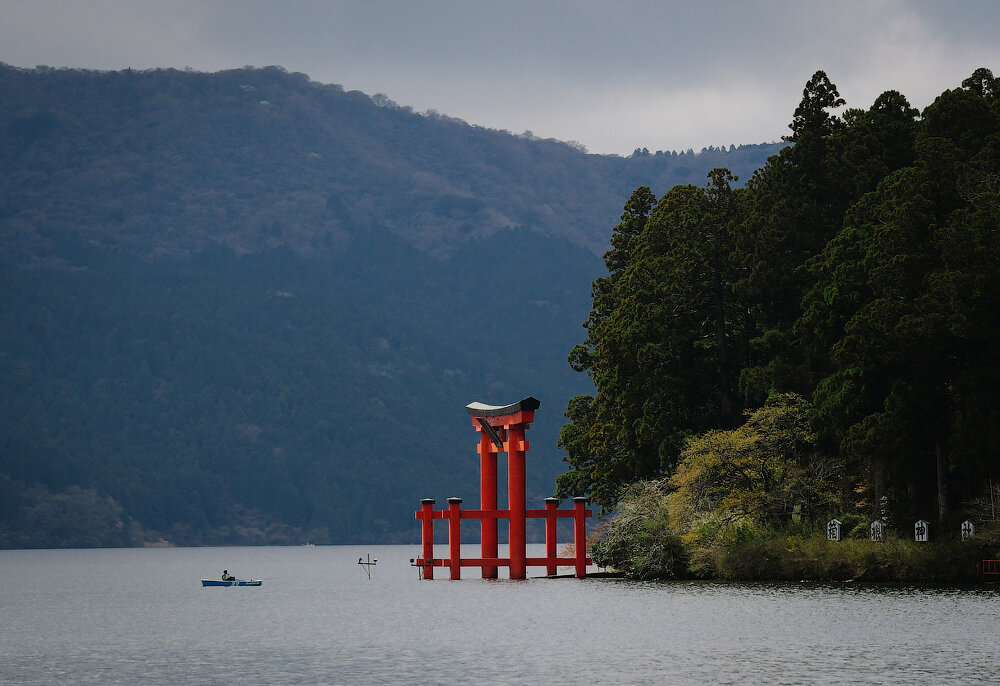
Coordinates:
<point>502,428</point>
<point>488,502</point>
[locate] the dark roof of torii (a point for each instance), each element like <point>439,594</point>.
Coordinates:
<point>484,410</point>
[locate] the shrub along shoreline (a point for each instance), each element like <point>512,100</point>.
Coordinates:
<point>796,557</point>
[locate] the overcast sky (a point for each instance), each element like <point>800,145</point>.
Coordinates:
<point>613,76</point>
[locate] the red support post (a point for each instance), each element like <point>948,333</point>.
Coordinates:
<point>580,535</point>
<point>550,534</point>
<point>488,501</point>
<point>516,448</point>
<point>427,536</point>
<point>455,537</point>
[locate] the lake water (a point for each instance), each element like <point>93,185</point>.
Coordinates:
<point>140,616</point>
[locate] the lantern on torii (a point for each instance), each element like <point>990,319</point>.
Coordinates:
<point>501,429</point>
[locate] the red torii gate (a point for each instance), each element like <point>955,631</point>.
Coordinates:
<point>501,429</point>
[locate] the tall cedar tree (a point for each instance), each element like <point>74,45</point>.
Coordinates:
<point>661,349</point>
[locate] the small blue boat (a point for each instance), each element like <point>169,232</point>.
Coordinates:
<point>232,582</point>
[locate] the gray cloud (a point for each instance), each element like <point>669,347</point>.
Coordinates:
<point>613,76</point>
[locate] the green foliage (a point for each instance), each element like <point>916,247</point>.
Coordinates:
<point>907,327</point>
<point>731,489</point>
<point>778,557</point>
<point>766,472</point>
<point>856,268</point>
<point>639,541</point>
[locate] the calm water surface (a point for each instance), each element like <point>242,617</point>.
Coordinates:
<point>141,617</point>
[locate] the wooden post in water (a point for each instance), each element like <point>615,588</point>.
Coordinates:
<point>455,537</point>
<point>550,535</point>
<point>580,535</point>
<point>427,535</point>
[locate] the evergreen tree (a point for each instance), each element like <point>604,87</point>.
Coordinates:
<point>597,459</point>
<point>902,289</point>
<point>663,354</point>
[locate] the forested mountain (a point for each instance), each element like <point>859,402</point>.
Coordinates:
<point>248,307</point>
<point>821,342</point>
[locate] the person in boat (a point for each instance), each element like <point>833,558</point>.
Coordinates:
<point>226,576</point>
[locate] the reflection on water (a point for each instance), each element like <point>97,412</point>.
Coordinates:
<point>141,617</point>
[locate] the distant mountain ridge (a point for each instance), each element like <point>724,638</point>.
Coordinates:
<point>167,162</point>
<point>223,295</point>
